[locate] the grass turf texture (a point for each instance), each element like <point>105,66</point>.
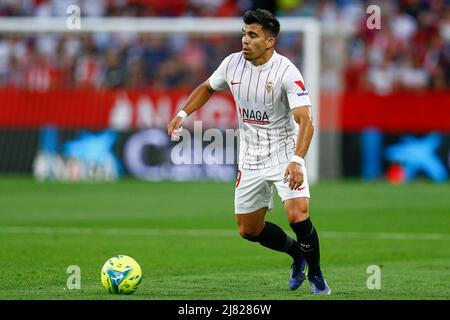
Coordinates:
<point>185,238</point>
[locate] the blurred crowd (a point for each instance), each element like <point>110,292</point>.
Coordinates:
<point>411,51</point>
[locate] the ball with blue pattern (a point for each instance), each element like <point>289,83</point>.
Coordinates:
<point>121,275</point>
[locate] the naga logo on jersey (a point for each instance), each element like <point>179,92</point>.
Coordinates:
<point>255,117</point>
<point>302,86</point>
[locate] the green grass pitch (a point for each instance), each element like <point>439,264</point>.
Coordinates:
<point>185,238</point>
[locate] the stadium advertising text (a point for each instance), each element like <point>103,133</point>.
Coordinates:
<point>128,127</point>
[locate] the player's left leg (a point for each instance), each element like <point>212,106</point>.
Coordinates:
<point>300,222</point>
<point>296,203</point>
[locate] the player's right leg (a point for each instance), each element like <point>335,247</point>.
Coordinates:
<point>253,197</point>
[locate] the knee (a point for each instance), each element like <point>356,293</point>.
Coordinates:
<point>303,212</point>
<point>298,216</point>
<point>297,213</point>
<point>248,233</point>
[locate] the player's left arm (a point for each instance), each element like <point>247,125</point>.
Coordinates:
<point>303,116</point>
<point>300,105</point>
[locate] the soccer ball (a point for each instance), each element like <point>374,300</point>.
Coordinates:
<point>121,274</point>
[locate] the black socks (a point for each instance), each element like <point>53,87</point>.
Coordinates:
<point>273,237</point>
<point>309,243</point>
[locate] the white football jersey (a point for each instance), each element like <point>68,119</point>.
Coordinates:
<point>264,97</point>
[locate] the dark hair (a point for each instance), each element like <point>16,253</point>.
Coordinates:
<point>263,17</point>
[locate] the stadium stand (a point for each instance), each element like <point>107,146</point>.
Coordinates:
<point>410,52</point>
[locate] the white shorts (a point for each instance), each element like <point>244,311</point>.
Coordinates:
<point>255,188</point>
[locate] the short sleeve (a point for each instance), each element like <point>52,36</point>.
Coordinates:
<point>294,86</point>
<point>218,80</point>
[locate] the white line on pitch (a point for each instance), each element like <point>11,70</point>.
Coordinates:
<point>212,232</point>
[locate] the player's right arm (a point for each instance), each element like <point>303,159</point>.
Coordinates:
<point>196,100</point>
<point>201,94</point>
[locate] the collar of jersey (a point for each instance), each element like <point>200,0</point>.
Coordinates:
<point>265,65</point>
